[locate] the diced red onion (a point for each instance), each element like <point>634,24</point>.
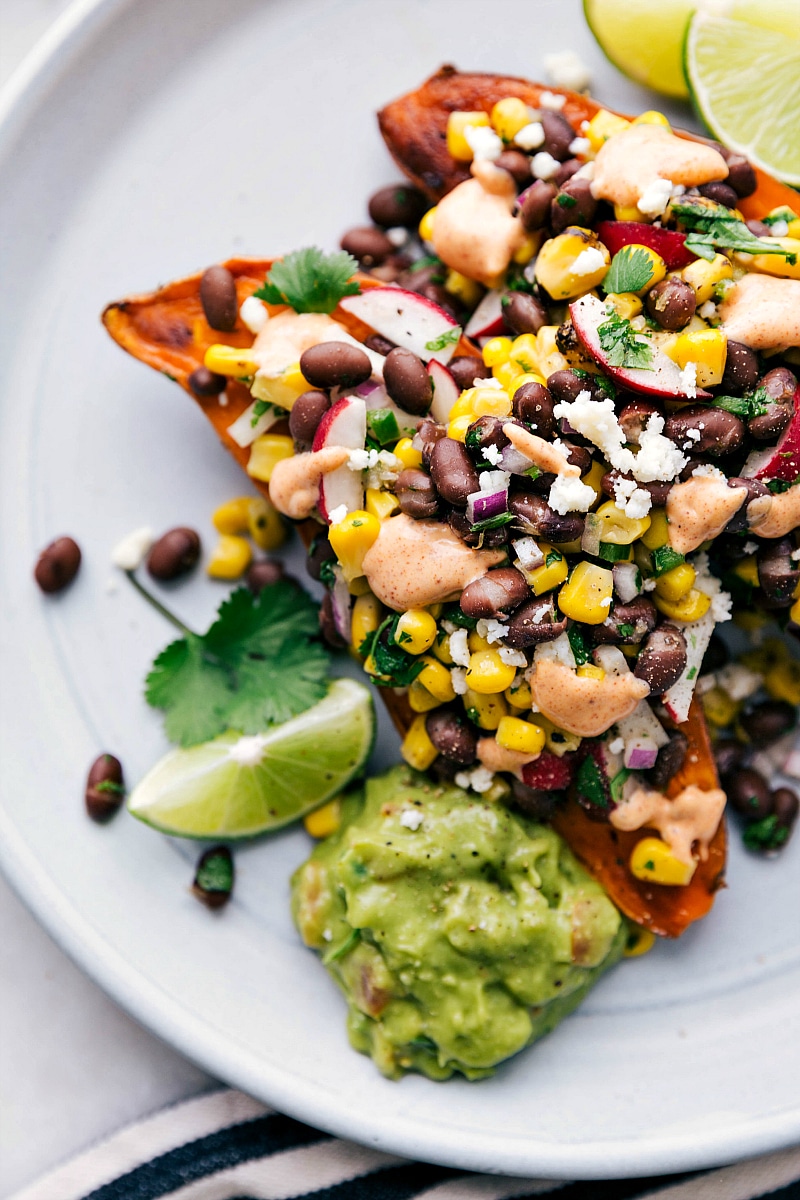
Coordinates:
<point>590,538</point>
<point>340,605</point>
<point>640,754</point>
<point>483,505</point>
<point>565,427</point>
<point>513,461</point>
<point>625,575</point>
<point>366,388</point>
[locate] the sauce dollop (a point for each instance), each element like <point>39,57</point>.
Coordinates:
<point>294,486</point>
<point>699,509</point>
<point>630,161</point>
<point>474,231</point>
<point>691,816</point>
<point>762,312</point>
<point>587,707</point>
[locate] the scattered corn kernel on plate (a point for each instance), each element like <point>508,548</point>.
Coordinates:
<point>190,151</point>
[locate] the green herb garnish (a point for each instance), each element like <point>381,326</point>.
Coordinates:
<point>310,281</point>
<point>493,522</point>
<point>611,552</point>
<point>665,558</point>
<point>754,404</point>
<point>449,338</point>
<point>713,227</point>
<point>259,408</point>
<point>776,486</point>
<point>590,783</point>
<point>215,872</point>
<point>553,556</point>
<point>631,270</point>
<point>395,666</point>
<point>765,834</point>
<point>623,346</point>
<point>626,629</point>
<point>577,641</point>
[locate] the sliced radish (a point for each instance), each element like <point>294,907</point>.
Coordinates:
<point>344,424</point>
<point>487,320</point>
<point>375,395</point>
<point>445,391</point>
<point>698,634</point>
<point>408,320</point>
<point>667,242</point>
<point>665,378</point>
<point>781,461</point>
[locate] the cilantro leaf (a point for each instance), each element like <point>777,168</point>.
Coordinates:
<point>765,834</point>
<point>448,338</point>
<point>631,270</point>
<point>310,281</point>
<point>623,346</point>
<point>580,651</point>
<point>395,666</point>
<point>754,404</point>
<point>256,666</point>
<point>713,226</point>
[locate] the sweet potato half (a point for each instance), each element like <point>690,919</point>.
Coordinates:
<point>167,330</point>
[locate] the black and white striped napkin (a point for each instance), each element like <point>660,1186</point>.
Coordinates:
<point>225,1146</point>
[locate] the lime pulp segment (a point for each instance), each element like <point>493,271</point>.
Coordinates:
<point>237,787</point>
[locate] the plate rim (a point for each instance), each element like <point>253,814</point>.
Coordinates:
<point>190,1034</point>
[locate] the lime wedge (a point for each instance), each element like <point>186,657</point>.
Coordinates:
<point>745,84</point>
<point>645,39</point>
<point>237,787</point>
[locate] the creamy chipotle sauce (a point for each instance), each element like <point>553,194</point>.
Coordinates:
<point>630,161</point>
<point>474,231</point>
<point>294,486</point>
<point>783,515</point>
<point>700,509</point>
<point>285,337</point>
<point>587,707</point>
<point>497,758</point>
<point>691,816</point>
<point>762,312</point>
<point>544,454</point>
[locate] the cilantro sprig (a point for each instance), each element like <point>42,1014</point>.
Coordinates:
<point>631,270</point>
<point>712,227</point>
<point>448,338</point>
<point>623,345</point>
<point>754,404</point>
<point>311,281</point>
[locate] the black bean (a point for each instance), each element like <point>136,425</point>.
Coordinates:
<point>780,385</point>
<point>748,792</point>
<point>417,278</point>
<point>319,552</point>
<point>438,294</point>
<point>399,204</point>
<point>671,303</point>
<point>58,565</point>
<point>634,417</point>
<point>535,516</point>
<point>574,205</point>
<point>264,573</point>
<point>533,801</point>
<point>578,456</point>
<point>379,344</point>
<point>558,134</point>
<point>495,594</point>
<point>203,382</point>
<point>663,659</point>
<point>627,624</point>
<point>729,755</point>
<point>535,207</point>
<point>741,176</point>
<point>720,432</point>
<point>465,369</point>
<point>716,655</point>
<point>105,787</point>
<point>517,164</point>
<point>567,169</point>
<point>407,381</point>
<point>213,879</point>
<point>489,539</point>
<point>720,192</point>
<point>768,426</point>
<point>741,369</point>
<point>416,494</point>
<point>306,414</point>
<point>670,759</point>
<point>535,622</point>
<point>452,472</point>
<point>429,432</point>
<point>391,269</point>
<point>327,624</point>
<point>778,573</point>
<point>218,298</point>
<point>768,720</point>
<point>369,245</point>
<point>533,405</point>
<point>452,736</point>
<point>565,385</point>
<point>175,553</point>
<point>757,503</point>
<point>658,490</point>
<point>523,313</point>
<point>485,432</point>
<point>785,806</point>
<point>335,364</point>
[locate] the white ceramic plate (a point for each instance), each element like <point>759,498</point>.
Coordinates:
<point>142,141</point>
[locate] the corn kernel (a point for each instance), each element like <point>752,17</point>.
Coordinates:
<point>358,586</point>
<point>425,228</point>
<point>784,213</point>
<point>657,266</point>
<point>485,711</point>
<point>506,373</point>
<point>416,631</point>
<point>639,942</point>
<point>524,351</point>
<point>381,504</point>
<point>520,381</point>
<point>519,694</point>
<point>594,478</point>
<point>322,822</point>
<point>294,379</point>
<point>718,707</point>
<point>674,584</point>
<point>265,524</point>
<point>420,699</point>
<point>776,264</point>
<point>703,276</point>
<point>417,749</point>
<point>528,247</point>
<point>407,453</point>
<point>555,570</point>
<point>435,610</point>
<point>653,861</point>
<point>475,642</point>
<point>603,125</point>
<point>558,741</point>
<point>489,402</point>
<point>441,649</point>
<point>794,612</point>
<point>625,304</point>
<point>265,454</point>
<point>523,736</point>
<point>550,357</point>
<point>230,558</point>
<point>462,286</point>
<point>651,117</point>
<point>590,671</point>
<point>229,360</point>
<point>351,539</point>
<point>706,348</point>
<point>782,681</point>
<point>690,607</point>
<point>487,673</point>
<point>618,528</point>
<point>233,516</point>
<point>457,429</point>
<point>436,678</point>
<point>509,115</point>
<point>657,534</point>
<point>457,145</point>
<point>371,668</point>
<point>558,256</point>
<point>626,212</point>
<point>496,351</point>
<point>367,613</point>
<point>586,596</point>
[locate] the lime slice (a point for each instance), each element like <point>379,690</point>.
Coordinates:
<point>645,39</point>
<point>745,84</point>
<point>236,787</point>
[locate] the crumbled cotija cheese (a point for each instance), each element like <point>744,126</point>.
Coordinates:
<point>655,198</point>
<point>458,678</point>
<point>530,137</point>
<point>483,142</point>
<point>512,658</point>
<point>569,494</point>
<point>689,380</point>
<point>254,314</point>
<point>588,261</point>
<point>459,650</point>
<point>566,69</point>
<point>411,818</point>
<point>543,165</point>
<point>493,631</point>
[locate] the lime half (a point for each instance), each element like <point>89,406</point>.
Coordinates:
<point>236,787</point>
<point>745,84</point>
<point>645,39</point>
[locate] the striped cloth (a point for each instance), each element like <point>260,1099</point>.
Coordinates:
<point>225,1146</point>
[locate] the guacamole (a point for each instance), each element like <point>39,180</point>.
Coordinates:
<point>458,930</point>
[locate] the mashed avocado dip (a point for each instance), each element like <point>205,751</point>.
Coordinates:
<point>459,931</point>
